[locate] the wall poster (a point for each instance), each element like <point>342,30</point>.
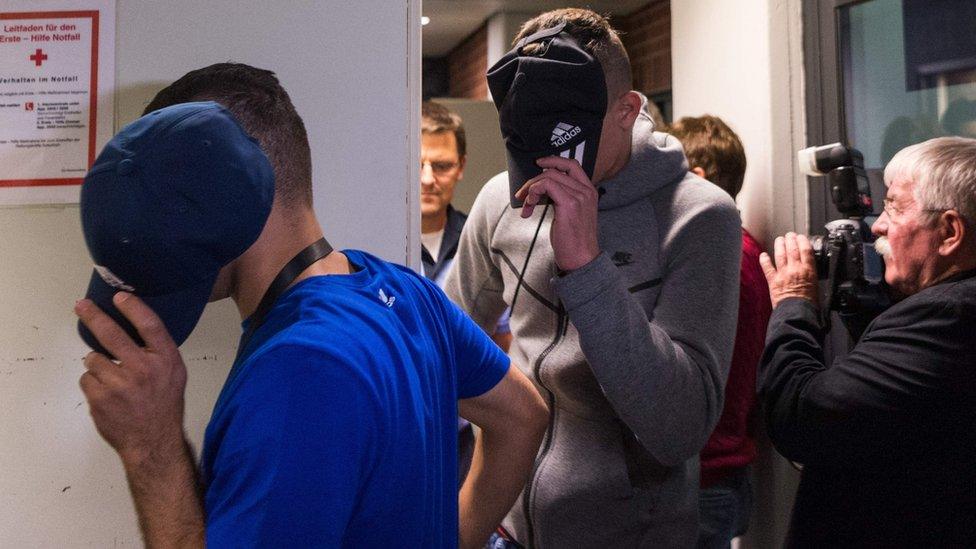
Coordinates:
<point>57,75</point>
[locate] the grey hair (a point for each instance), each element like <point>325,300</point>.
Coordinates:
<point>943,173</point>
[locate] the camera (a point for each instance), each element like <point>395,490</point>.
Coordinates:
<point>840,250</point>
<point>845,257</point>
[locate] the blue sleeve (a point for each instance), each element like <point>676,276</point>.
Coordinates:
<point>300,438</point>
<point>480,363</point>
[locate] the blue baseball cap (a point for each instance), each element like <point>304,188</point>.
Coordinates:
<point>173,198</point>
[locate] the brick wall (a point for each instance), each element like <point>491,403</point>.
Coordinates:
<point>467,64</point>
<point>647,37</point>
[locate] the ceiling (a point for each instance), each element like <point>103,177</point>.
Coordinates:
<point>451,21</point>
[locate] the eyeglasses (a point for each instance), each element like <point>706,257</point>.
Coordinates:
<point>892,211</point>
<point>440,168</point>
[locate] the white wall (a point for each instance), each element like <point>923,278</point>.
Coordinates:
<point>358,91</point>
<point>742,61</point>
<point>344,65</point>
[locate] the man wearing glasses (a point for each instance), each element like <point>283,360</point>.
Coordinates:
<point>443,153</point>
<point>442,157</point>
<point>886,434</point>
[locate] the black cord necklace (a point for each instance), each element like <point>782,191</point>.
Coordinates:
<point>303,260</point>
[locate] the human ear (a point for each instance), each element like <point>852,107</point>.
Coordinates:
<point>627,108</point>
<point>952,232</point>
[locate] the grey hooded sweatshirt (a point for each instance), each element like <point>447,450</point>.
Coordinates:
<point>631,351</point>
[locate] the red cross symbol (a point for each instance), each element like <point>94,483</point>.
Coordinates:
<point>38,57</point>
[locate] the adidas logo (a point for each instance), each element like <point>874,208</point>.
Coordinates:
<point>562,133</point>
<point>576,154</point>
<point>386,300</point>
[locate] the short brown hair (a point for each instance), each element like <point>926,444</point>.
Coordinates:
<point>595,35</point>
<point>711,144</point>
<point>263,108</point>
<point>436,118</point>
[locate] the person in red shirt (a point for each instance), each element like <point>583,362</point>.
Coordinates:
<point>715,153</point>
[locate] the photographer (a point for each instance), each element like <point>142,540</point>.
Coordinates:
<point>886,435</point>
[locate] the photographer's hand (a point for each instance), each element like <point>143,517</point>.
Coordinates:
<point>574,228</point>
<point>795,274</point>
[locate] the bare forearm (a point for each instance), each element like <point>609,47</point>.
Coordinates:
<point>136,403</point>
<point>501,465</point>
<point>165,489</point>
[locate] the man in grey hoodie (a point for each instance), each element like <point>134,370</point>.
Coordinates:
<point>626,312</point>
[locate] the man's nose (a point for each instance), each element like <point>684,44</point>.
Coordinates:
<point>426,174</point>
<point>880,226</point>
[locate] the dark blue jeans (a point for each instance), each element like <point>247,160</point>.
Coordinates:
<point>723,510</point>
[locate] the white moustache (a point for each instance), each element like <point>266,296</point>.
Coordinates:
<point>882,246</point>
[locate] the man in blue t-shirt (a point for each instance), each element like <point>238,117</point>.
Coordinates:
<point>337,424</point>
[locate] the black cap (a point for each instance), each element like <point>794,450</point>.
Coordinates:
<point>550,103</point>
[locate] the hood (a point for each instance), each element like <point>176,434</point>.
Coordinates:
<point>650,168</point>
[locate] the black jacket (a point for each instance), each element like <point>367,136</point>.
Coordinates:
<point>449,244</point>
<point>887,434</point>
